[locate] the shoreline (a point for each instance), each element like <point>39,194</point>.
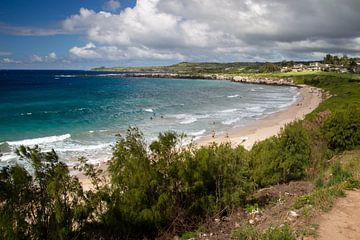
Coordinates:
<point>258,130</point>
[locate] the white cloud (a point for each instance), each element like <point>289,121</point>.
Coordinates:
<point>87,52</point>
<point>219,30</point>
<point>51,57</point>
<point>9,60</point>
<point>90,51</point>
<point>36,58</point>
<point>111,5</point>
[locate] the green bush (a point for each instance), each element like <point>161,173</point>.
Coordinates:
<point>282,158</point>
<point>342,129</point>
<point>154,187</point>
<point>44,204</point>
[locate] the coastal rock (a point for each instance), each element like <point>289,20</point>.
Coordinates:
<point>242,79</point>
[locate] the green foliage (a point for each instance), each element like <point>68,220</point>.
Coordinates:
<point>155,186</point>
<point>322,198</point>
<point>272,233</point>
<point>247,232</point>
<point>282,158</point>
<point>251,208</point>
<point>338,174</point>
<point>342,129</point>
<point>189,235</point>
<point>344,60</point>
<point>269,68</point>
<point>42,205</point>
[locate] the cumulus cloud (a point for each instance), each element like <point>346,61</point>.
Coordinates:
<point>90,51</point>
<point>219,30</point>
<point>36,58</point>
<point>9,60</point>
<point>111,5</point>
<point>51,57</point>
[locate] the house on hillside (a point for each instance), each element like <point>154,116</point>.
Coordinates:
<point>315,66</point>
<point>298,68</point>
<point>286,69</point>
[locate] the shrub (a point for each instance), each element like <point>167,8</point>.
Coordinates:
<point>157,186</point>
<point>282,158</point>
<point>342,129</point>
<point>44,204</point>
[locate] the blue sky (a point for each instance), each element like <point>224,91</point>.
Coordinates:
<point>80,34</point>
<point>42,14</point>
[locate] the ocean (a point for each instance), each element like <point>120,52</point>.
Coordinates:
<point>78,113</point>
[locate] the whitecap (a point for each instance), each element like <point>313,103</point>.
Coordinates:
<point>29,113</point>
<point>233,96</point>
<point>257,109</point>
<point>83,148</point>
<point>199,133</point>
<point>230,121</point>
<point>91,131</point>
<point>148,110</point>
<point>42,140</point>
<point>65,76</point>
<point>8,157</point>
<point>228,110</point>
<point>188,120</point>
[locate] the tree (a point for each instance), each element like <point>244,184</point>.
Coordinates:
<point>43,203</point>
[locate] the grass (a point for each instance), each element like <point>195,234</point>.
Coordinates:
<point>272,233</point>
<point>342,174</point>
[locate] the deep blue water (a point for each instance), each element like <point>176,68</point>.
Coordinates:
<point>79,111</point>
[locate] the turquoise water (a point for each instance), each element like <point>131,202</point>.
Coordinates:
<point>79,112</point>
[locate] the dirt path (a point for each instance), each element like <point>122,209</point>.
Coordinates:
<point>343,221</point>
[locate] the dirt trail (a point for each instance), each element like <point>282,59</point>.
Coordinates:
<point>343,221</point>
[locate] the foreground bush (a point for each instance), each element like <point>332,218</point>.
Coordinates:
<point>281,158</point>
<point>167,185</point>
<point>342,129</point>
<point>46,204</point>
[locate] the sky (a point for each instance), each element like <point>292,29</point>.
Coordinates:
<point>81,34</point>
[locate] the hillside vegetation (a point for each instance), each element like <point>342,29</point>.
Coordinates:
<point>160,189</point>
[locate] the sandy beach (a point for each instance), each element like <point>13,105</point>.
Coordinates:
<point>271,125</point>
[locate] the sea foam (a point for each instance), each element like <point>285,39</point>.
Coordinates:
<point>230,121</point>
<point>35,141</point>
<point>233,96</point>
<point>199,133</point>
<point>148,110</point>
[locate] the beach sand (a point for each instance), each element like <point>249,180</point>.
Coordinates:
<point>258,130</point>
<point>271,125</point>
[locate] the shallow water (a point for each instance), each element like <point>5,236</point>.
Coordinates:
<point>79,113</point>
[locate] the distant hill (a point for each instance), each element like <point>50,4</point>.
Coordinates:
<point>204,67</point>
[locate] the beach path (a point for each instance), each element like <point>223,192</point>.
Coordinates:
<point>343,221</point>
